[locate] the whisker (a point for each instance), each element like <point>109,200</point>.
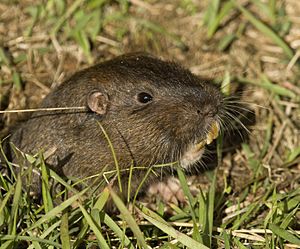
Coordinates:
<point>246,103</point>
<point>239,113</point>
<point>238,121</point>
<point>234,108</point>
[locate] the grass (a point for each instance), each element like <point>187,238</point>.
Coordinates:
<point>77,221</point>
<point>250,201</point>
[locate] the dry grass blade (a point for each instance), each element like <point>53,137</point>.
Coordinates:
<point>45,109</point>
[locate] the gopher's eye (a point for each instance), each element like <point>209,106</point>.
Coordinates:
<point>144,97</point>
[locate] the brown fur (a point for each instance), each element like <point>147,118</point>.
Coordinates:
<point>180,113</point>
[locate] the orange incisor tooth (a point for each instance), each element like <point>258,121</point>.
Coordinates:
<point>200,145</point>
<point>213,133</point>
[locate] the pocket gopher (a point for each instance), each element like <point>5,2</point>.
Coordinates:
<point>153,111</point>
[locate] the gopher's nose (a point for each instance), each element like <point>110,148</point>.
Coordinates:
<point>207,111</point>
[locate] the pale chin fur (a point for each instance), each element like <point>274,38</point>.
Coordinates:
<point>195,151</point>
<point>190,157</point>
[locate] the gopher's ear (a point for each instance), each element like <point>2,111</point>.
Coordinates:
<point>98,102</point>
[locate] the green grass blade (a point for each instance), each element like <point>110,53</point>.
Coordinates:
<point>56,211</point>
<point>129,183</point>
<point>268,137</point>
<point>211,13</point>
<point>265,30</point>
<point>102,199</point>
<point>4,58</point>
<point>226,237</point>
<point>188,194</point>
<point>46,195</point>
<point>275,88</point>
<point>225,42</point>
<point>82,39</point>
<point>290,217</point>
<point>160,30</point>
<point>293,154</point>
<point>6,199</point>
<point>182,238</point>
<point>81,235</point>
<point>239,244</point>
<point>149,170</point>
<point>99,206</point>
<point>96,229</point>
<point>211,205</point>
<point>6,244</point>
<point>35,245</point>
<point>54,227</point>
<point>15,207</point>
<point>265,8</point>
<point>282,233</point>
<point>57,178</point>
<point>129,219</point>
<point>215,22</point>
<point>114,156</point>
<point>68,13</point>
<point>27,238</point>
<point>64,232</point>
<point>17,80</point>
<point>203,217</point>
<point>266,84</point>
<point>118,232</point>
<point>251,209</point>
<point>11,170</point>
<point>152,214</point>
